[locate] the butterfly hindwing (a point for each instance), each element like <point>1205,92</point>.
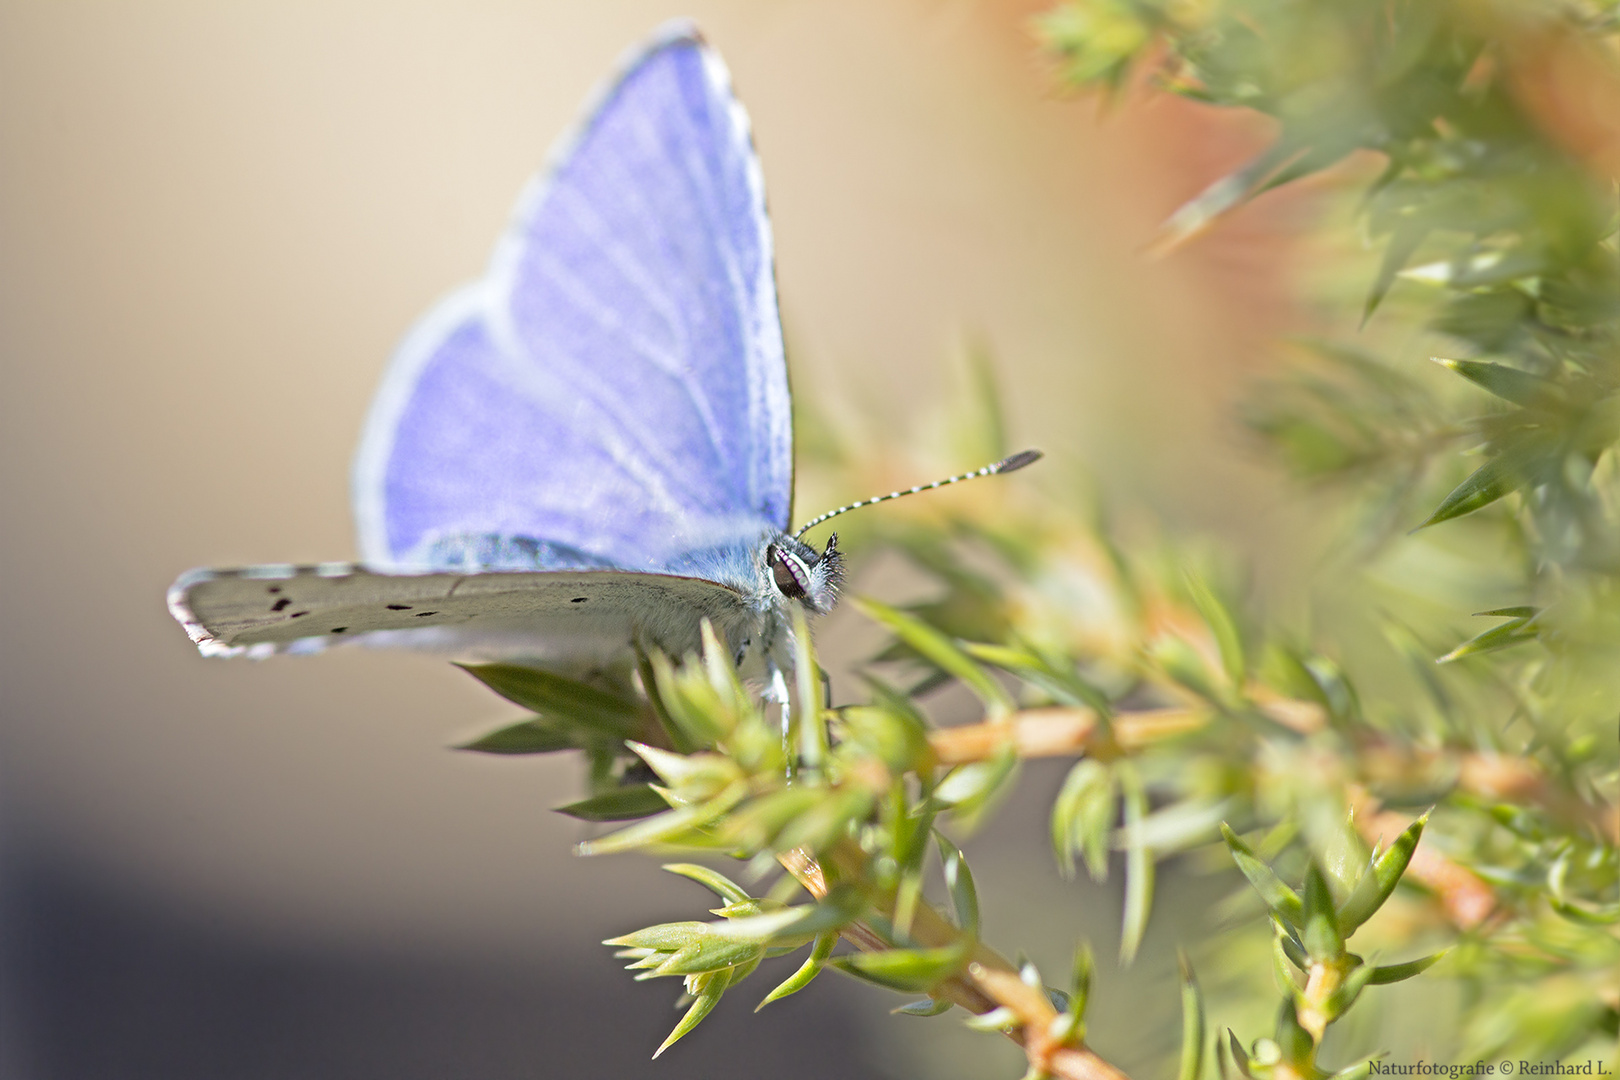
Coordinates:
<point>616,382</point>
<point>561,614</point>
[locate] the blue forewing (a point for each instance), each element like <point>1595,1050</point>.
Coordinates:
<point>615,385</point>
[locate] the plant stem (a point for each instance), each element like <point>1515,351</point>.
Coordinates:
<point>989,981</point>
<point>1061,731</point>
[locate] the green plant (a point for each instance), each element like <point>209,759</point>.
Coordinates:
<point>1468,780</point>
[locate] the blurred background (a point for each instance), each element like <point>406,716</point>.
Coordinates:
<point>216,220</point>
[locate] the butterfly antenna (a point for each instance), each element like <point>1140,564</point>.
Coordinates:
<point>1008,464</point>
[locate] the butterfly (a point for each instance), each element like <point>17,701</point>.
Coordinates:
<point>589,450</point>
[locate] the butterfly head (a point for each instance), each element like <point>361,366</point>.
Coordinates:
<point>803,574</point>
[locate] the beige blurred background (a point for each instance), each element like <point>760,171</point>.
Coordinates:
<point>216,220</point>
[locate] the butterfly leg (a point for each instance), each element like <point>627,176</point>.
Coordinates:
<point>776,689</point>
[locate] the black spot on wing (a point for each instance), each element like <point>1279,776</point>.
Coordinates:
<point>578,600</point>
<point>273,589</point>
<point>298,615</point>
<point>399,607</point>
<point>425,614</point>
<point>279,604</point>
<point>339,629</point>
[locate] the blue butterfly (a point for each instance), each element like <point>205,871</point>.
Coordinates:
<point>590,449</point>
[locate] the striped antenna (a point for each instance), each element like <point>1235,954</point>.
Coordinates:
<point>1005,465</point>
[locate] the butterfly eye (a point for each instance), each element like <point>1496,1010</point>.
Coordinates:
<point>792,577</point>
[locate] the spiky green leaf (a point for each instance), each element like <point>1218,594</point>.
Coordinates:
<point>710,952</point>
<point>665,937</point>
<point>1397,252</point>
<point>973,790</point>
<point>1293,1041</point>
<point>925,1007</point>
<point>711,879</point>
<point>1079,993</point>
<point>706,996</point>
<point>907,970</point>
<point>1348,990</point>
<point>1522,626</point>
<point>1138,863</point>
<point>940,651</point>
<point>1083,818</point>
<point>540,735</point>
<point>622,804</point>
<point>1321,930</point>
<point>669,827</point>
<point>1380,880</point>
<point>1192,1022</point>
<point>1384,974</point>
<point>1288,942</point>
<point>802,923</point>
<point>959,882</point>
<point>557,696</point>
<point>1277,896</point>
<point>1501,475</point>
<point>1221,627</point>
<point>819,952</point>
<point>1509,384</point>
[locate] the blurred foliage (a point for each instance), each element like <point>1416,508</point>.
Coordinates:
<point>1461,817</point>
<point>1494,125</point>
<point>1478,142</point>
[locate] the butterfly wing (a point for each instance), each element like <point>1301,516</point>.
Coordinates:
<point>551,615</point>
<point>615,385</point>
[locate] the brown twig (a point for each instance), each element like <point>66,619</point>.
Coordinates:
<point>1059,732</point>
<point>989,981</point>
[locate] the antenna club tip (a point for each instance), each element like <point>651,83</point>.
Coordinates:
<point>1014,462</point>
